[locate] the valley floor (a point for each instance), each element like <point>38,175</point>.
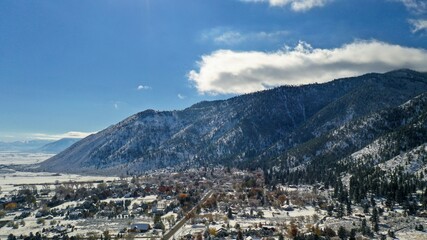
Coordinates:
<point>204,203</point>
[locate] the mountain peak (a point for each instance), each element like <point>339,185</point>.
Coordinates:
<point>404,72</point>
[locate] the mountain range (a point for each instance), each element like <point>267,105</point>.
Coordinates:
<point>23,146</point>
<point>38,146</point>
<point>288,129</point>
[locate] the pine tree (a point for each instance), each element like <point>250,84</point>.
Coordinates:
<point>342,232</point>
<point>353,234</point>
<point>373,204</point>
<point>230,214</point>
<point>239,235</point>
<point>340,212</point>
<point>375,219</point>
<point>364,228</point>
<point>365,208</point>
<point>349,209</point>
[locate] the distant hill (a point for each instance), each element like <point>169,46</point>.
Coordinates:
<point>42,146</point>
<point>290,132</point>
<point>23,146</point>
<point>58,146</point>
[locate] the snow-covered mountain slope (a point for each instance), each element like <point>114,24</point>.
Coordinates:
<point>252,130</point>
<point>413,161</point>
<point>405,128</point>
<point>391,135</point>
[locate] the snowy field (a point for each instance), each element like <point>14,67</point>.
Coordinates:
<point>22,158</point>
<point>11,180</point>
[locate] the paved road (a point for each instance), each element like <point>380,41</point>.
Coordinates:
<point>184,220</point>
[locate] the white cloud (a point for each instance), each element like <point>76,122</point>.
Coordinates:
<point>180,96</point>
<point>229,37</point>
<point>296,5</point>
<point>418,25</point>
<point>72,134</point>
<point>415,6</point>
<point>232,72</point>
<point>226,36</point>
<point>143,87</point>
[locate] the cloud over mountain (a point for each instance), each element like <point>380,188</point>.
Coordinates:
<point>72,134</point>
<point>233,72</point>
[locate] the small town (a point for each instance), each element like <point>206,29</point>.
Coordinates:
<point>216,203</point>
<point>213,120</point>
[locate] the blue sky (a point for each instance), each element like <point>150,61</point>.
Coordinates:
<point>80,66</point>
